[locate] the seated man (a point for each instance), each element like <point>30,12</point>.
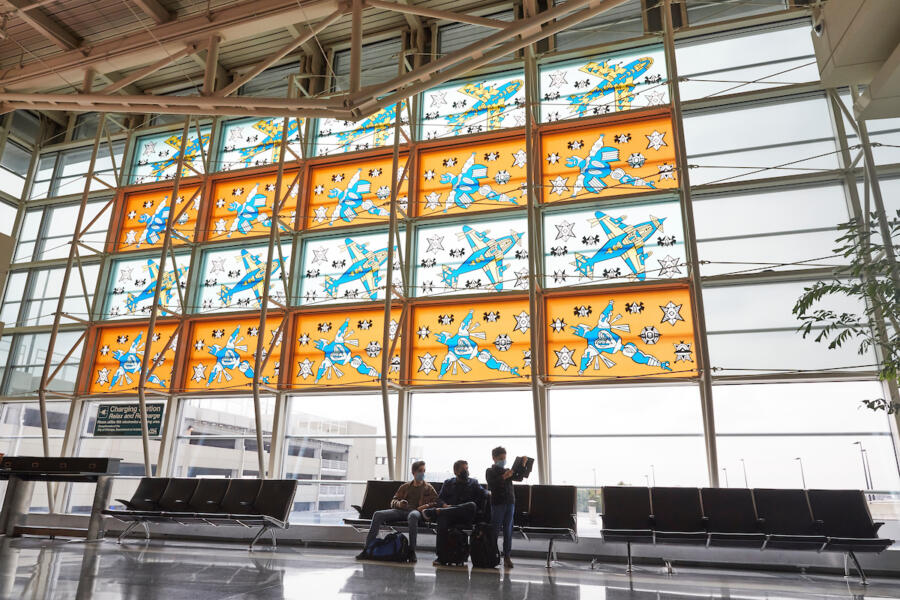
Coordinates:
<point>458,502</point>
<point>408,503</point>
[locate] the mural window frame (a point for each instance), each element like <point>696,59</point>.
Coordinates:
<point>154,223</point>
<point>127,348</point>
<point>382,136</point>
<point>140,292</point>
<point>227,144</point>
<point>203,265</point>
<point>226,217</point>
<point>147,143</point>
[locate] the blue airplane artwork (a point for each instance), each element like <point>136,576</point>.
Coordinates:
<point>171,279</point>
<point>338,354</point>
<point>352,201</point>
<point>365,266</point>
<point>597,166</point>
<point>461,347</point>
<point>192,150</point>
<point>467,183</point>
<point>253,279</point>
<point>247,212</point>
<point>487,255</point>
<point>491,104</point>
<point>623,240</point>
<point>271,129</point>
<point>155,224</point>
<point>130,364</point>
<point>616,78</point>
<point>228,358</point>
<point>377,125</point>
<point>602,342</point>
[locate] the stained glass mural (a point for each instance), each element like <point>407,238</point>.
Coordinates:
<point>132,285</point>
<point>474,106</point>
<point>156,156</point>
<point>639,242</point>
<point>118,355</point>
<point>352,193</point>
<point>243,207</point>
<point>223,353</point>
<point>642,333</point>
<point>345,269</point>
<point>145,214</point>
<point>610,159</point>
<point>610,83</point>
<point>343,348</point>
<point>257,142</point>
<point>232,278</point>
<point>476,342</point>
<point>335,136</point>
<point>474,177</point>
<point>463,258</point>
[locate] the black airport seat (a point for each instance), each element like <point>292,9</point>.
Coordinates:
<point>846,521</point>
<point>147,494</point>
<point>208,496</point>
<point>522,495</point>
<point>731,518</point>
<point>178,494</point>
<point>377,497</point>
<point>787,520</point>
<point>626,514</point>
<point>552,515</point>
<point>678,516</point>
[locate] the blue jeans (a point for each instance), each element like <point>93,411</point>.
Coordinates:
<point>502,522</point>
<point>395,514</point>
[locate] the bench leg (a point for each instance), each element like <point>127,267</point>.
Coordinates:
<point>628,568</point>
<point>550,554</point>
<point>669,569</point>
<point>274,540</point>
<point>128,529</point>
<point>859,569</point>
<point>258,535</point>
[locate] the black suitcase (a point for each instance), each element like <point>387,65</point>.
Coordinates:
<point>452,547</point>
<point>483,547</point>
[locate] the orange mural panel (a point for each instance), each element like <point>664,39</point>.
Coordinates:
<point>472,178</point>
<point>118,354</point>
<point>611,159</point>
<point>243,207</point>
<point>644,333</point>
<point>343,348</point>
<point>145,214</point>
<point>223,354</point>
<point>475,342</point>
<point>352,193</point>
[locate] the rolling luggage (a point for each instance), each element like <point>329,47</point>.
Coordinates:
<point>452,547</point>
<point>483,547</point>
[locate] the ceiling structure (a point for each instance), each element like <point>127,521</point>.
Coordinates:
<point>128,56</point>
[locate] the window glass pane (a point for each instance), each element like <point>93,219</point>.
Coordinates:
<point>40,187</point>
<point>459,35</point>
<point>14,163</point>
<point>26,363</point>
<point>7,218</point>
<point>603,84</point>
<point>255,142</point>
<point>884,135</point>
<point>474,106</point>
<point>327,415</point>
<point>156,156</point>
<point>471,414</point>
<point>12,299</point>
<point>483,256</point>
<point>20,435</point>
<point>95,235</point>
<point>132,285</point>
<point>334,136</point>
<point>26,126</point>
<point>767,427</point>
<point>624,243</point>
<point>145,215</point>
<point>439,454</point>
<point>344,269</point>
<point>118,354</point>
<point>710,11</point>
<point>744,61</point>
<point>621,22</point>
<point>42,298</point>
<point>890,192</point>
<point>28,233</point>
<point>271,83</point>
<point>232,279</point>
<point>730,145</point>
<point>379,63</point>
<point>243,206</point>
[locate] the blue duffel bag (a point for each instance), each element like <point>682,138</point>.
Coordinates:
<point>393,547</point>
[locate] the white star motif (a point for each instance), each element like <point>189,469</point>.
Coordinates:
<point>429,174</point>
<point>220,203</point>
<point>564,358</point>
<point>423,332</point>
<point>432,201</point>
<point>305,368</point>
<point>426,363</point>
<point>103,376</point>
<point>318,189</point>
<point>220,227</point>
<point>104,350</point>
<point>125,273</point>
<point>553,158</point>
<point>521,279</point>
<point>130,237</point>
<point>655,140</point>
<point>520,159</point>
<point>199,345</point>
<point>438,98</point>
<point>576,144</point>
<point>564,231</point>
<point>558,79</point>
<point>655,98</point>
<point>523,322</point>
<point>320,255</point>
<point>217,265</point>
<point>199,372</point>
<point>668,266</point>
<point>557,325</point>
<point>435,243</point>
<point>321,214</point>
<point>671,313</point>
<point>131,214</point>
<point>303,339</point>
<point>392,329</point>
<point>559,186</point>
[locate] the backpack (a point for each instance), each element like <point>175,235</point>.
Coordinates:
<point>483,547</point>
<point>393,547</point>
<point>452,547</point>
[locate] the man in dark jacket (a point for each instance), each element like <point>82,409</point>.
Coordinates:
<point>458,501</point>
<point>503,500</point>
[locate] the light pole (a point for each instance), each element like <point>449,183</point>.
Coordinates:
<point>725,471</point>
<point>647,478</point>
<point>862,456</point>
<point>653,475</point>
<point>595,477</point>
<point>868,469</point>
<point>802,474</point>
<point>744,467</point>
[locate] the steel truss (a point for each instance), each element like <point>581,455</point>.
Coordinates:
<point>397,293</point>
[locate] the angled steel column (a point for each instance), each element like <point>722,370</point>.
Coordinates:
<point>687,212</point>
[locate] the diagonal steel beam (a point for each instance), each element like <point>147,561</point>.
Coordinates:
<point>422,11</point>
<point>41,22</point>
<point>154,10</point>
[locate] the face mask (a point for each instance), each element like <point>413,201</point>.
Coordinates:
<point>419,476</point>
<point>464,474</point>
<point>500,463</point>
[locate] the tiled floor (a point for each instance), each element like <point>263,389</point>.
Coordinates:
<point>39,569</point>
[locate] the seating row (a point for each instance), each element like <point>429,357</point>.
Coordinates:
<point>264,503</point>
<point>783,519</point>
<point>542,511</point>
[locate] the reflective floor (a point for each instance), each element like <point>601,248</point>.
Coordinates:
<point>39,569</point>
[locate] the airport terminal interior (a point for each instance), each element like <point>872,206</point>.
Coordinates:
<point>264,261</point>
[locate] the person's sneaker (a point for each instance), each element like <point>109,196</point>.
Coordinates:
<point>412,558</point>
<point>362,555</point>
<point>507,562</point>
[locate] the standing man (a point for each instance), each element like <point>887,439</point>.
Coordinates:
<point>409,502</point>
<point>503,500</point>
<point>458,502</point>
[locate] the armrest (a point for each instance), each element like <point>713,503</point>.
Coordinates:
<point>357,508</point>
<point>127,503</point>
<point>877,525</point>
